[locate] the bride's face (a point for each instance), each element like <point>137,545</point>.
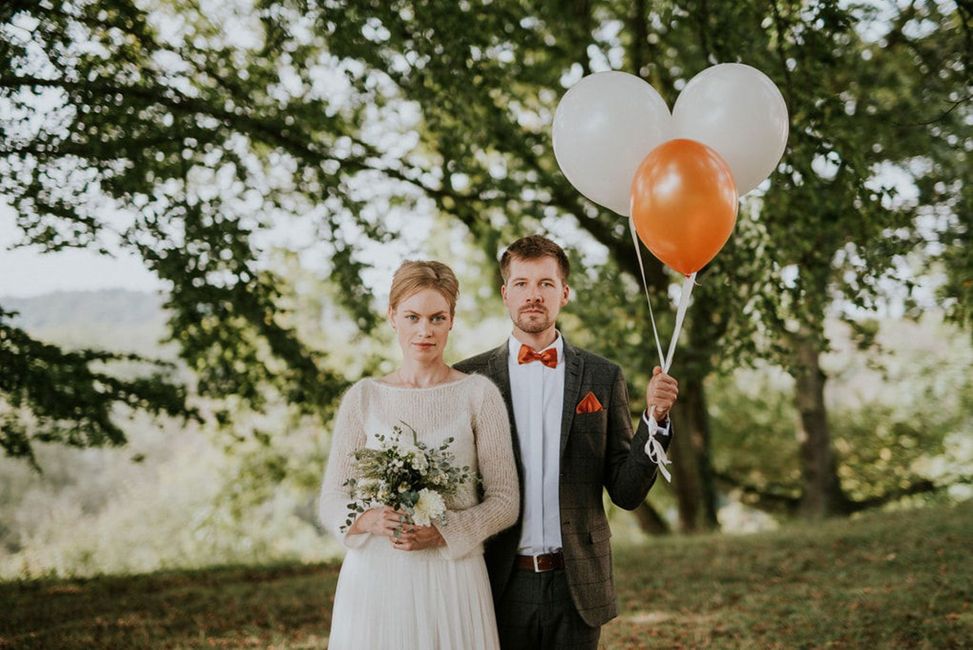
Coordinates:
<point>422,322</point>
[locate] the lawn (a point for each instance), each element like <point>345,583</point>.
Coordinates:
<point>885,580</point>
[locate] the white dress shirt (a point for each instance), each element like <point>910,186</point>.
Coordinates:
<point>537,393</point>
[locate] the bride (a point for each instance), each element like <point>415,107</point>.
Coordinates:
<point>426,587</point>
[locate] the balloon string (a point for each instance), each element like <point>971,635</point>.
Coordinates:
<point>638,255</point>
<point>653,446</point>
<point>687,289</point>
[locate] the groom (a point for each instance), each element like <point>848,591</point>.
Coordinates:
<point>572,434</point>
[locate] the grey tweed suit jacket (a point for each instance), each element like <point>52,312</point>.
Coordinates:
<point>597,450</point>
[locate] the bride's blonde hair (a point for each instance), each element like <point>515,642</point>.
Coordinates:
<point>412,277</point>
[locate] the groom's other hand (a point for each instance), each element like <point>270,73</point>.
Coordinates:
<point>417,538</point>
<point>661,394</point>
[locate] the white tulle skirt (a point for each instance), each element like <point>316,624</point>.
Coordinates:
<point>411,599</point>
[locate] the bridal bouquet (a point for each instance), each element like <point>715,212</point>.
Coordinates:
<point>405,475</point>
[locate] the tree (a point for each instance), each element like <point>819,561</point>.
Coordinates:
<point>833,219</point>
<point>130,123</point>
<point>339,112</point>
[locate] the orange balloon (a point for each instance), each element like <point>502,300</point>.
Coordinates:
<point>684,204</point>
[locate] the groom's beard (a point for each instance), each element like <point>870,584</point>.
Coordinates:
<point>533,322</point>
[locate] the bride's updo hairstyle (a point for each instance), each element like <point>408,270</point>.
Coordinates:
<point>413,277</point>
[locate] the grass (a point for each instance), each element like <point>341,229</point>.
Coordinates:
<point>886,580</point>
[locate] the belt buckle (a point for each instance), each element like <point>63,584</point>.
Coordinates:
<point>537,562</point>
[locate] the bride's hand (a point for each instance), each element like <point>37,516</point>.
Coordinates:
<point>417,538</point>
<point>377,521</point>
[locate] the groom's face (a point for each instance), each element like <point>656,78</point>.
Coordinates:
<point>534,293</point>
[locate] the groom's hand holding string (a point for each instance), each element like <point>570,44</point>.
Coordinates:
<point>661,394</point>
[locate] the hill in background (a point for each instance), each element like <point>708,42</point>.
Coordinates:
<point>112,319</point>
<point>116,307</point>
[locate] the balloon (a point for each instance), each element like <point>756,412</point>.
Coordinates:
<point>737,110</point>
<point>603,127</point>
<point>684,204</point>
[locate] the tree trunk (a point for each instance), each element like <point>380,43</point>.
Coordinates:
<point>692,476</point>
<point>650,521</point>
<point>822,495</point>
<point>696,403</point>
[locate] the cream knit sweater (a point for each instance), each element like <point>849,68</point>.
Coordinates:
<point>470,410</point>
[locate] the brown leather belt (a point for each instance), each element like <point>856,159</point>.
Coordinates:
<point>541,563</point>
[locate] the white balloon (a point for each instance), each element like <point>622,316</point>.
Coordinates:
<point>604,126</point>
<point>738,111</point>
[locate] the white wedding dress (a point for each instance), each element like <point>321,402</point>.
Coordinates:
<point>437,599</point>
<point>411,599</point>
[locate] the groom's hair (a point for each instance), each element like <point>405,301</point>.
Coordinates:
<point>534,247</point>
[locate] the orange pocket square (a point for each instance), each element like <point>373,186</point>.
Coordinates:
<point>588,404</point>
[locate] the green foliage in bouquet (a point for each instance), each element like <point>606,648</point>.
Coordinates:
<point>409,477</point>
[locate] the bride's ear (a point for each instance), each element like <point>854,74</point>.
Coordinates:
<point>390,314</point>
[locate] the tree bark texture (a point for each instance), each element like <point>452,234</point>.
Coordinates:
<point>821,489</point>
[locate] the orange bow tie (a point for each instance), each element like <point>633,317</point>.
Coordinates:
<point>548,357</point>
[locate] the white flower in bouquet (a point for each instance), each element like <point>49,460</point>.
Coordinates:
<point>369,486</point>
<point>419,461</point>
<point>384,494</point>
<point>430,506</point>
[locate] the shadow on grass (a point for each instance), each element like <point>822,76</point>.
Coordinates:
<point>260,607</point>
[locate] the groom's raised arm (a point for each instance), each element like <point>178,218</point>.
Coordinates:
<point>629,472</point>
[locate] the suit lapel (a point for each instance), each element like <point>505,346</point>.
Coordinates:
<point>499,372</point>
<point>573,371</point>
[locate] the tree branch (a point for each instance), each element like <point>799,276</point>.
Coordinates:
<point>771,498</point>
<point>922,486</point>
